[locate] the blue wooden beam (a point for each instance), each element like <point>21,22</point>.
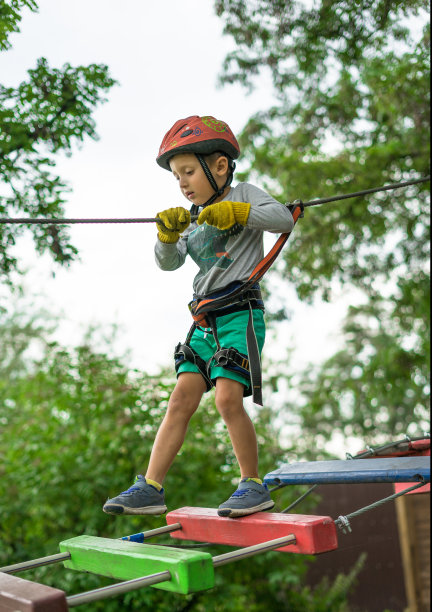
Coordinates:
<point>388,469</point>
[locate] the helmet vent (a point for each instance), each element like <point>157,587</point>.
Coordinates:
<point>180,128</point>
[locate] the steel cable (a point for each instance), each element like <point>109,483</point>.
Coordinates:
<point>46,221</point>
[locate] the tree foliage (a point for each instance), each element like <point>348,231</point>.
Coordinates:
<point>351,88</point>
<point>10,17</point>
<point>49,113</point>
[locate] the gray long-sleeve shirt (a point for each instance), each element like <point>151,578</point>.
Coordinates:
<point>225,256</point>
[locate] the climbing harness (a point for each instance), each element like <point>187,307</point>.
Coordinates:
<point>240,296</point>
<point>230,358</point>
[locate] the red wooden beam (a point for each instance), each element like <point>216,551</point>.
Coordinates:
<point>314,534</point>
<point>406,449</point>
<point>19,595</point>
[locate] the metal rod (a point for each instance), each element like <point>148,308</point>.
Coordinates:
<point>145,535</point>
<point>116,589</point>
<point>25,565</point>
<point>249,551</point>
<point>299,499</point>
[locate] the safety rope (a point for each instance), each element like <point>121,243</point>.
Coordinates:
<point>366,191</point>
<point>344,521</point>
<point>42,220</point>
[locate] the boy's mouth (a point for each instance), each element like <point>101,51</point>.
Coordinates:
<point>189,194</point>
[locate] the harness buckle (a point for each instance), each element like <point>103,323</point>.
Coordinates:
<point>231,356</point>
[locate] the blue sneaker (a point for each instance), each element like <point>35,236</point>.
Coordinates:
<point>140,498</point>
<point>249,498</point>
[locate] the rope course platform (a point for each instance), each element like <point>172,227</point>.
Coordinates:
<point>138,564</point>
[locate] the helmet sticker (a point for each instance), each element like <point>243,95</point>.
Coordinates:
<point>214,124</point>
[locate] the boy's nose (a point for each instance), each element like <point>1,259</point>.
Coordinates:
<point>183,182</point>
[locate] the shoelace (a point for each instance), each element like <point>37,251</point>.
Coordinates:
<point>131,489</point>
<point>241,493</point>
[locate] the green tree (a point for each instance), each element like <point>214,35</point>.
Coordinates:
<point>351,88</point>
<point>50,112</point>
<point>75,426</point>
<point>10,17</point>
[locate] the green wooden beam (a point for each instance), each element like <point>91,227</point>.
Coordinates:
<point>190,570</point>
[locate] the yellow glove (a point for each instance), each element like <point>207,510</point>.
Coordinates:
<point>225,214</point>
<point>174,221</point>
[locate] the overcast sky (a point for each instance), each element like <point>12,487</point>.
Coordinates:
<point>166,57</point>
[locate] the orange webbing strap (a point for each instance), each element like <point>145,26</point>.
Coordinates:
<point>262,267</point>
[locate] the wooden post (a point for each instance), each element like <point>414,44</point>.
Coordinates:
<point>413,514</point>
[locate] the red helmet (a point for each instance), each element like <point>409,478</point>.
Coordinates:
<point>202,135</point>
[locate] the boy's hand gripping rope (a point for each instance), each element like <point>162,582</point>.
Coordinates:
<point>35,220</point>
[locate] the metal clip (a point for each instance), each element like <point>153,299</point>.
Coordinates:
<point>294,204</point>
<point>344,524</point>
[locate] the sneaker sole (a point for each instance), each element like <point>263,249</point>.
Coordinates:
<point>237,512</point>
<point>146,510</point>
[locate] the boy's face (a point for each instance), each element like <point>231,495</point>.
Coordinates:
<point>193,183</point>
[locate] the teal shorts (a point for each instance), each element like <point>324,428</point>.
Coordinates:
<point>231,331</point>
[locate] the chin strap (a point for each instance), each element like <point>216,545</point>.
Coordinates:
<point>210,177</point>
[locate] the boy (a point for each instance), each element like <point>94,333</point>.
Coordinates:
<point>226,242</point>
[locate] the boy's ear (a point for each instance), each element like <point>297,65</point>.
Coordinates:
<point>222,165</point>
